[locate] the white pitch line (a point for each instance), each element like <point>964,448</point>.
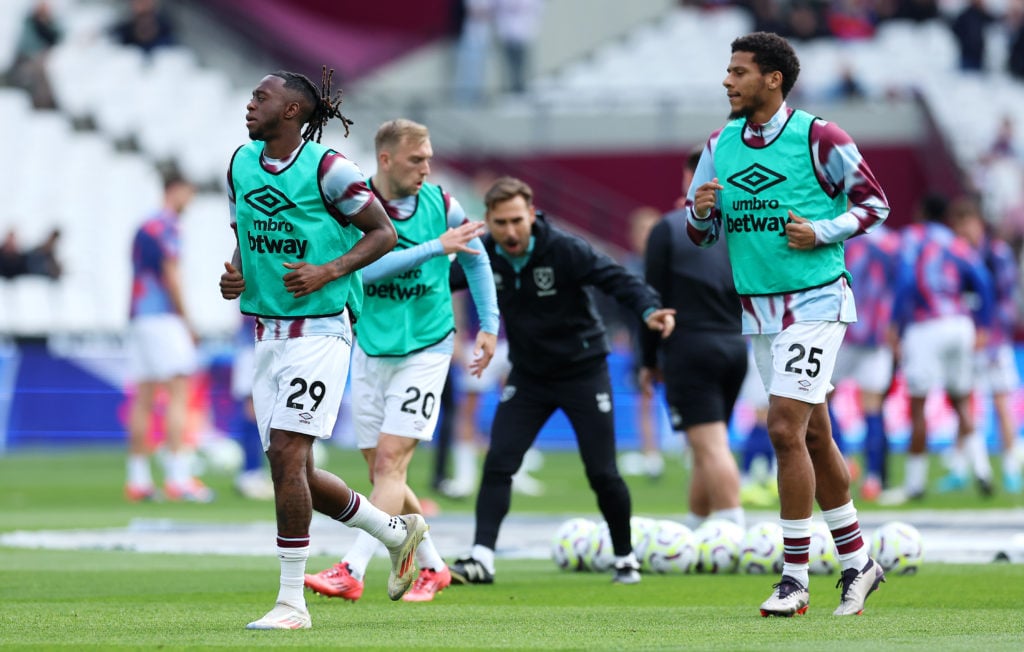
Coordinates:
<point>954,537</point>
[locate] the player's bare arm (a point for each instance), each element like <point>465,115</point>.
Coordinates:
<point>379,237</point>
<point>705,198</point>
<point>800,233</point>
<point>456,240</point>
<point>172,278</point>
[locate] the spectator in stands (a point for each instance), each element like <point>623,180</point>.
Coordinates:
<point>147,26</point>
<point>471,51</point>
<point>40,260</point>
<point>916,10</point>
<point>969,28</point>
<point>851,19</point>
<point>847,87</point>
<point>1004,144</point>
<point>1014,22</point>
<point>517,23</point>
<point>768,16</point>
<point>703,362</point>
<point>163,352</point>
<point>39,33</point>
<point>805,21</point>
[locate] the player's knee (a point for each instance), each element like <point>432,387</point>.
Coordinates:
<point>606,479</point>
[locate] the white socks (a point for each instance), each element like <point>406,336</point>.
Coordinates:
<point>139,473</point>
<point>427,555</point>
<point>974,446</point>
<point>484,555</point>
<point>293,569</point>
<point>917,473</point>
<point>693,521</point>
<point>796,536</point>
<point>846,534</point>
<point>359,555</point>
<point>733,514</point>
<point>465,465</point>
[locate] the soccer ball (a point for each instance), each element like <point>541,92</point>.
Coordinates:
<point>600,556</point>
<point>897,547</point>
<point>718,546</point>
<point>822,555</point>
<point>669,547</point>
<point>570,543</point>
<point>761,549</point>
<point>639,526</point>
<point>220,455</point>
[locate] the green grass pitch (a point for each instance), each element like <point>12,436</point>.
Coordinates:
<point>126,600</point>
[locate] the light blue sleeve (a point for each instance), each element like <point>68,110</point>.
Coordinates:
<point>705,231</point>
<point>478,273</point>
<point>399,261</point>
<point>480,279</point>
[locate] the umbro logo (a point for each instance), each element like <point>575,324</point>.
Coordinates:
<point>756,178</point>
<point>268,200</point>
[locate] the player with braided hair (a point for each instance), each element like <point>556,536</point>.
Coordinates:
<point>305,223</point>
<point>324,105</point>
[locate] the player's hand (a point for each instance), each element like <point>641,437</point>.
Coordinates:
<point>800,233</point>
<point>482,353</point>
<point>455,240</point>
<point>664,320</point>
<point>306,279</point>
<point>705,198</point>
<point>646,377</point>
<point>231,282</point>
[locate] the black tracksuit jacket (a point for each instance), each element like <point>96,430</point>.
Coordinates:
<point>551,322</point>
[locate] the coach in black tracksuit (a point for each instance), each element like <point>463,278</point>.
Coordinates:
<point>558,350</point>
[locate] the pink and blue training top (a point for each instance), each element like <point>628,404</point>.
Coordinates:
<point>156,242</point>
<point>873,262</point>
<point>1001,264</point>
<point>935,275</point>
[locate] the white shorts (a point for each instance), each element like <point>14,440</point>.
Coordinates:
<point>939,354</point>
<point>995,370</point>
<point>492,377</point>
<point>242,371</point>
<point>870,367</point>
<point>298,384</point>
<point>160,348</point>
<point>398,396</point>
<point>798,362</point>
<point>752,390</point>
